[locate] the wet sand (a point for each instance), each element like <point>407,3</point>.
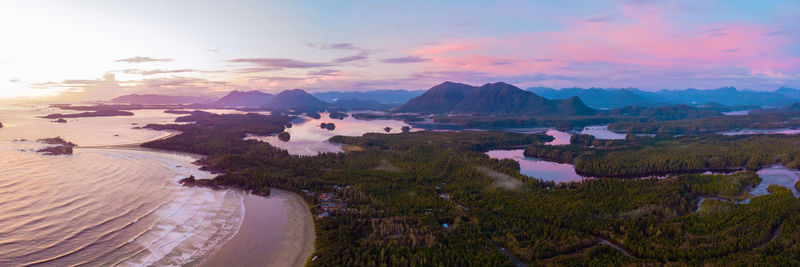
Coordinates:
<point>277,230</point>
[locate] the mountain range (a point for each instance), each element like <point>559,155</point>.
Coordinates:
<point>607,98</point>
<point>491,98</point>
<point>296,99</point>
<point>390,97</point>
<point>159,99</point>
<point>243,99</point>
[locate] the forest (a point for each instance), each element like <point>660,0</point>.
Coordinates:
<point>638,156</point>
<point>433,198</point>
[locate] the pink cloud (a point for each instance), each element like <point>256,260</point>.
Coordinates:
<point>643,38</point>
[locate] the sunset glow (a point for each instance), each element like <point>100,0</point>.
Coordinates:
<point>101,49</point>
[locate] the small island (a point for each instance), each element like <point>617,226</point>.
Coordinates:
<point>172,111</point>
<point>102,113</point>
<point>60,146</point>
<point>314,115</point>
<point>387,129</point>
<point>284,136</point>
<point>338,115</point>
<point>207,183</point>
<point>328,126</point>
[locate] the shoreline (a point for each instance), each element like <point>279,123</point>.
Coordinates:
<point>134,145</point>
<point>283,215</point>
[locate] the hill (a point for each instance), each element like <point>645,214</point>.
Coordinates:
<point>356,104</point>
<point>491,98</point>
<point>602,98</point>
<point>243,99</point>
<point>159,99</point>
<point>296,99</point>
<point>609,98</point>
<point>396,97</point>
<point>728,96</point>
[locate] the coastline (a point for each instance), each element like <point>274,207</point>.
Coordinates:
<point>264,219</point>
<point>282,215</point>
<point>135,145</point>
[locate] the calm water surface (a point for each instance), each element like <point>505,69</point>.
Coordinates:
<point>307,138</point>
<point>534,167</point>
<point>778,175</point>
<point>562,138</point>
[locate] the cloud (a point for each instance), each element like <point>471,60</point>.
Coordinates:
<point>254,70</point>
<point>324,73</point>
<point>352,58</point>
<point>157,71</point>
<point>644,38</point>
<point>13,80</point>
<point>280,63</point>
<point>343,46</point>
<point>108,87</point>
<point>144,59</point>
<point>408,59</point>
<point>604,18</point>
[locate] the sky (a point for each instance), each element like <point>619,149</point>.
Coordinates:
<point>94,50</point>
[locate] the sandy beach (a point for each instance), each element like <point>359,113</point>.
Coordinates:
<point>277,230</point>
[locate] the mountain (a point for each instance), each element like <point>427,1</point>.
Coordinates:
<point>439,99</point>
<point>159,99</point>
<point>381,96</point>
<point>790,92</point>
<point>662,113</point>
<point>243,99</point>
<point>296,99</point>
<point>356,104</point>
<point>491,98</point>
<point>727,96</point>
<point>607,98</point>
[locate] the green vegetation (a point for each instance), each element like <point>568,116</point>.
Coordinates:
<point>388,204</point>
<point>710,124</point>
<point>646,156</point>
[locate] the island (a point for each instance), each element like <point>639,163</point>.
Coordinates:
<point>60,146</point>
<point>207,183</point>
<point>338,115</point>
<point>284,136</point>
<point>328,126</point>
<point>103,113</point>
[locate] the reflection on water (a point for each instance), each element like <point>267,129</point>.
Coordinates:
<point>534,167</point>
<point>736,113</point>
<point>103,207</point>
<point>307,138</point>
<point>562,138</point>
<point>602,132</point>
<point>768,131</point>
<point>775,174</point>
<point>559,137</point>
